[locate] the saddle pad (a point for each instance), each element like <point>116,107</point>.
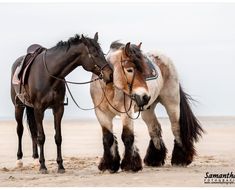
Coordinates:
<point>151,72</point>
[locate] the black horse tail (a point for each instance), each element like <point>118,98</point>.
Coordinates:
<point>190,127</point>
<point>31,121</point>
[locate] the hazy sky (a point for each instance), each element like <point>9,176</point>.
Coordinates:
<point>199,38</point>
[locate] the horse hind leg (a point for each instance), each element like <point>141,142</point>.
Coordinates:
<point>185,127</point>
<point>111,158</point>
<point>180,155</point>
<point>19,111</point>
<point>39,115</point>
<point>156,152</point>
<point>132,160</point>
<point>33,130</point>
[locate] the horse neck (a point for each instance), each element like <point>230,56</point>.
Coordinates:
<point>60,62</point>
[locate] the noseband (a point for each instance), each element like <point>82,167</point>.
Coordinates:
<point>100,69</point>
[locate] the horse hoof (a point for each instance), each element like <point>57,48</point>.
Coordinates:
<point>61,171</point>
<point>155,157</point>
<point>19,163</point>
<point>181,156</point>
<point>112,167</point>
<point>43,171</point>
<point>36,162</point>
<point>133,163</point>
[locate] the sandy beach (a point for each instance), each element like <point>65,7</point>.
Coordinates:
<point>82,150</point>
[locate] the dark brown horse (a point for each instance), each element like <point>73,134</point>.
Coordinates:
<point>44,91</point>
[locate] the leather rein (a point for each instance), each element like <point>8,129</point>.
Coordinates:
<point>78,83</point>
<point>71,82</point>
<point>130,86</point>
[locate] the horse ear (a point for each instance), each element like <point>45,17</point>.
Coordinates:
<point>127,49</point>
<point>83,36</point>
<point>139,46</point>
<point>96,37</point>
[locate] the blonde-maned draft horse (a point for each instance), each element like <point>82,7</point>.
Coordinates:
<point>140,82</point>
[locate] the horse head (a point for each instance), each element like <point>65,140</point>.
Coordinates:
<point>93,59</point>
<point>128,71</point>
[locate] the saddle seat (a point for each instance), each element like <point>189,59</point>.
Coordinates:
<point>32,48</point>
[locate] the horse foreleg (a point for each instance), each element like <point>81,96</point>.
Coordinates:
<point>39,115</point>
<point>58,114</point>
<point>18,116</point>
<point>132,160</point>
<point>156,152</point>
<point>111,158</point>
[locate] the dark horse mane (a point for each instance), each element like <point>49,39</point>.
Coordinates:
<point>77,39</point>
<point>136,54</point>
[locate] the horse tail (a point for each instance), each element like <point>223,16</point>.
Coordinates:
<point>31,121</point>
<point>190,127</point>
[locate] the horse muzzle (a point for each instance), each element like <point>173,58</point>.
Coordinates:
<point>141,100</point>
<point>107,75</point>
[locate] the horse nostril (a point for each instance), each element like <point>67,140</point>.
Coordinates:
<point>146,98</point>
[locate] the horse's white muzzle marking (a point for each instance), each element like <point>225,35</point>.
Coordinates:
<point>141,96</point>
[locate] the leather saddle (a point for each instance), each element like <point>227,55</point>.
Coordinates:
<point>20,75</point>
<point>150,72</point>
<point>22,69</point>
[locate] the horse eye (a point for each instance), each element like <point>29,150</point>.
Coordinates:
<point>130,70</point>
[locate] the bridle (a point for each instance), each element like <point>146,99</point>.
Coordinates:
<point>101,69</point>
<point>130,85</point>
<point>130,88</point>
